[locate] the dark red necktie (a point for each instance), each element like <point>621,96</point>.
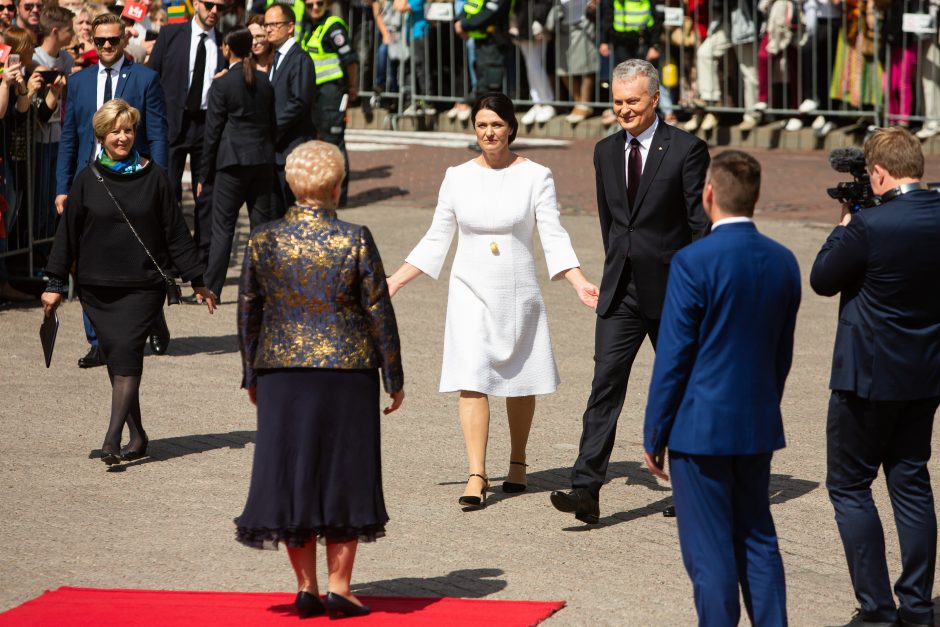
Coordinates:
<point>634,171</point>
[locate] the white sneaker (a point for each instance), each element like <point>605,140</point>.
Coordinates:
<point>529,117</point>
<point>760,106</point>
<point>578,114</point>
<point>710,121</point>
<point>463,114</point>
<point>453,113</point>
<point>793,125</point>
<point>929,130</point>
<point>818,123</point>
<point>694,122</point>
<point>749,123</point>
<point>412,110</point>
<point>808,106</point>
<point>544,114</point>
<point>825,129</point>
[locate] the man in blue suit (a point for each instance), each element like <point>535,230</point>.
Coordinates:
<point>116,76</point>
<point>885,379</point>
<point>725,348</point>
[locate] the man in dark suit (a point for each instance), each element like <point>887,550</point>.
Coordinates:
<point>885,378</point>
<point>293,78</point>
<point>724,351</point>
<point>115,76</point>
<point>649,201</point>
<point>187,57</point>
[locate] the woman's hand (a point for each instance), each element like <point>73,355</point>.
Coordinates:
<point>203,294</point>
<point>11,75</point>
<point>57,86</point>
<point>50,302</point>
<point>34,84</point>
<point>397,398</point>
<point>587,291</point>
<point>401,277</point>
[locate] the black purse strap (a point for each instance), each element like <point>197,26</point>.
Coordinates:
<point>98,176</point>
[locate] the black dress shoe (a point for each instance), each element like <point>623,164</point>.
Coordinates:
<point>341,607</point>
<point>190,299</point>
<point>160,336</point>
<point>92,359</point>
<point>309,605</point>
<point>585,507</point>
<point>670,512</point>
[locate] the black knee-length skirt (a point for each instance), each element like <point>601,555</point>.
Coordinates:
<point>317,467</point>
<point>122,318</point>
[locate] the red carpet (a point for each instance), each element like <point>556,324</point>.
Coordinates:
<point>77,607</point>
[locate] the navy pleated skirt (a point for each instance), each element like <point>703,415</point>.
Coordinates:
<point>317,467</point>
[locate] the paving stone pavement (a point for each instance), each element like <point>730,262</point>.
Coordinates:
<point>165,522</point>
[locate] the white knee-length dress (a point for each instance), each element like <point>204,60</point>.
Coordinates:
<point>496,338</point>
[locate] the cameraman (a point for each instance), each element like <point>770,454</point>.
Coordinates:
<point>885,262</point>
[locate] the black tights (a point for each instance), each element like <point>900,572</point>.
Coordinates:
<point>125,407</point>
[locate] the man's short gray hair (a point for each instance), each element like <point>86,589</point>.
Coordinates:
<point>631,68</point>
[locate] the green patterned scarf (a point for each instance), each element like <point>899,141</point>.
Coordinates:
<point>125,166</point>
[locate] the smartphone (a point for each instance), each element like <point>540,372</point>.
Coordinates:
<point>13,59</point>
<point>150,35</point>
<point>49,76</point>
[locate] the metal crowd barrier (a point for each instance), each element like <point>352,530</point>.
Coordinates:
<point>28,187</point>
<point>849,60</point>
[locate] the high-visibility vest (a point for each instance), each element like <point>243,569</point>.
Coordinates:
<point>326,64</point>
<point>632,15</point>
<point>298,8</point>
<point>471,8</point>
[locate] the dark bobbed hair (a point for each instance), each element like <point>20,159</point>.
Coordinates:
<point>239,41</point>
<point>500,104</point>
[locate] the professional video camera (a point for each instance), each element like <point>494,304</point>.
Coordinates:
<point>856,193</point>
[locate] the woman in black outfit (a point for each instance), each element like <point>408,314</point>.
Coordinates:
<point>239,150</point>
<point>122,290</point>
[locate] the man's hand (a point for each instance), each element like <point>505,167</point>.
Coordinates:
<point>604,49</point>
<point>397,398</point>
<point>459,30</point>
<point>652,54</point>
<point>846,214</point>
<point>60,203</point>
<point>203,295</point>
<point>656,463</point>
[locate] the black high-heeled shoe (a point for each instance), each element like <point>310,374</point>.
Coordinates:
<point>129,454</point>
<point>338,606</point>
<point>309,605</point>
<point>513,488</point>
<point>111,457</point>
<point>470,503</point>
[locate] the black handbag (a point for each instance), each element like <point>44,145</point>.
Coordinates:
<point>174,295</point>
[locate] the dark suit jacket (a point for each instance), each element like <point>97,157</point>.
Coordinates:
<point>294,82</point>
<point>668,213</point>
<point>240,125</point>
<point>724,347</point>
<point>170,59</point>
<point>140,87</point>
<point>886,266</point>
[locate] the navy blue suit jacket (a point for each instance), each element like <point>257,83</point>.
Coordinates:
<point>886,265</point>
<point>140,87</point>
<point>725,346</point>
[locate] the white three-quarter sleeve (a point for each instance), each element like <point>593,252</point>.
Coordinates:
<point>559,254</point>
<point>428,256</point>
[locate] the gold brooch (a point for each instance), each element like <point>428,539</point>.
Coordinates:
<point>494,248</point>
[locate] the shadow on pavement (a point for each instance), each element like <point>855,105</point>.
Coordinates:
<point>376,194</point>
<point>166,449</point>
<point>199,345</point>
<point>470,583</point>
<point>377,172</point>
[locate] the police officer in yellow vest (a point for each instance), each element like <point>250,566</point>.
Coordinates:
<point>337,65</point>
<point>630,29</point>
<point>487,23</point>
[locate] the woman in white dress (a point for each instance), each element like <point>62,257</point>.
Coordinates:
<point>496,338</point>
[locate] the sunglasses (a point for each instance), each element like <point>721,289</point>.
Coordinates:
<point>218,6</point>
<point>270,25</point>
<point>30,7</point>
<point>112,41</point>
<point>313,5</point>
<point>8,7</point>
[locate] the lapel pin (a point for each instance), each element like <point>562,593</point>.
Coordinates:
<point>660,147</point>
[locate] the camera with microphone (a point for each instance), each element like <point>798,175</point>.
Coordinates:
<point>856,193</point>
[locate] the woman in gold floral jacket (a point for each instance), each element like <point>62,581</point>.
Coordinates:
<point>315,323</point>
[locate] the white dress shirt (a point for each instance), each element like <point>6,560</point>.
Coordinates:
<point>646,142</point>
<point>734,220</point>
<point>212,59</point>
<point>285,47</point>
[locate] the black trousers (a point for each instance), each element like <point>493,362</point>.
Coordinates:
<point>235,186</point>
<point>861,436</point>
<point>490,67</point>
<point>617,339</point>
<point>281,196</point>
<point>330,121</point>
<point>190,143</point>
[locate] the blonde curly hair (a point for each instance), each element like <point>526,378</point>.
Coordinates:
<point>313,170</point>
